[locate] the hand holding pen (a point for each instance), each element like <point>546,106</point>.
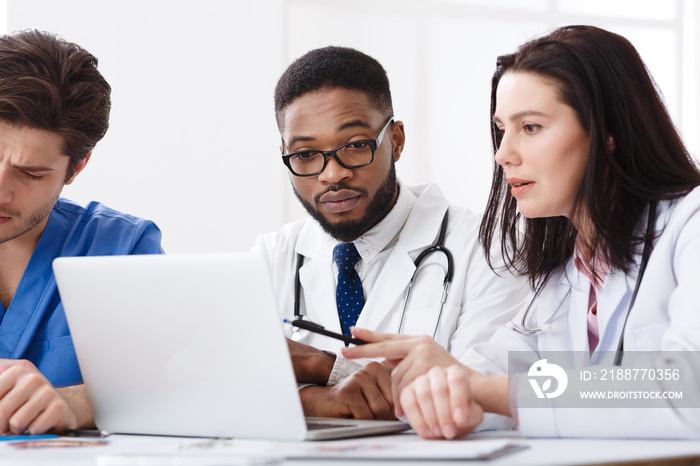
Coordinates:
<point>321,330</point>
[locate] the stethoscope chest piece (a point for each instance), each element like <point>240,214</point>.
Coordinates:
<point>299,334</point>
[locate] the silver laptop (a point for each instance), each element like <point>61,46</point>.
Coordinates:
<point>188,345</point>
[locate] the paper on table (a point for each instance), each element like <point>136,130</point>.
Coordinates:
<point>472,449</point>
<point>180,460</point>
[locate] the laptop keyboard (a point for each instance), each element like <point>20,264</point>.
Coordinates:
<point>323,425</point>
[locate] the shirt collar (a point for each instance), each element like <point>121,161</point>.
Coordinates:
<point>386,233</point>
<point>602,267</point>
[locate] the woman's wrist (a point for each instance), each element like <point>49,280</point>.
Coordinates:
<point>491,392</point>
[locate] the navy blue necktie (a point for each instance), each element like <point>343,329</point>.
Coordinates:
<point>348,295</point>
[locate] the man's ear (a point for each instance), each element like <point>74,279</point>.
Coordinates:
<point>398,139</point>
<point>78,168</point>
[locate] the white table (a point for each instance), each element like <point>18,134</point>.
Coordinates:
<point>151,451</point>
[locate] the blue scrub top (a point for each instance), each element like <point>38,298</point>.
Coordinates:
<point>34,327</point>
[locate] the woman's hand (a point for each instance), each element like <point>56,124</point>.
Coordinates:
<point>410,356</point>
<point>440,397</point>
<point>439,403</point>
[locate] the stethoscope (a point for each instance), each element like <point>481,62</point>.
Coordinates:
<point>547,327</point>
<point>420,264</point>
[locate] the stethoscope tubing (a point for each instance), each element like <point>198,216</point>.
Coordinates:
<point>438,247</point>
<point>648,247</point>
<point>522,328</point>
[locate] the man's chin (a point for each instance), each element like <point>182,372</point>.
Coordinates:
<point>345,230</point>
<point>350,225</point>
<point>333,219</point>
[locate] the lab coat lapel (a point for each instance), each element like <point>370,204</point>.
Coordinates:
<point>612,308</point>
<point>388,289</point>
<point>317,277</point>
<point>578,305</point>
<point>420,231</point>
<point>36,288</point>
<point>616,295</point>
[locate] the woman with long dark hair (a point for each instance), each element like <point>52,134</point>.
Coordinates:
<point>593,199</point>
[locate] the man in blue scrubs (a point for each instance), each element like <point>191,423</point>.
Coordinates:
<point>54,108</point>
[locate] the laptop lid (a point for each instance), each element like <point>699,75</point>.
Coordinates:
<point>188,345</point>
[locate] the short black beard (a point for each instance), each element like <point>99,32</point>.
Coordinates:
<point>349,230</point>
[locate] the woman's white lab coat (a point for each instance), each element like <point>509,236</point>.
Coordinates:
<point>479,301</point>
<point>665,317</point>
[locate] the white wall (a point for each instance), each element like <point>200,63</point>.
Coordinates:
<point>193,143</point>
<point>440,55</point>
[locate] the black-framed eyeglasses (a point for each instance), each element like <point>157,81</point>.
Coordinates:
<point>354,154</point>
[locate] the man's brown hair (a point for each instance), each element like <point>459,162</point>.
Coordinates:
<point>51,84</point>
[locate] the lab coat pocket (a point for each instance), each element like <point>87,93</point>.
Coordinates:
<point>424,321</point>
<point>423,307</point>
<point>647,338</point>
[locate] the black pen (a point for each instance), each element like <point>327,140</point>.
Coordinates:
<point>321,330</point>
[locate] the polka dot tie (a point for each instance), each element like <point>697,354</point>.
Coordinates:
<point>348,295</point>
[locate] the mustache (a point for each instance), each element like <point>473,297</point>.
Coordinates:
<point>339,187</point>
<point>8,213</point>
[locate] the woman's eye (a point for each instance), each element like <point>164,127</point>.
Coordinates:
<point>528,128</point>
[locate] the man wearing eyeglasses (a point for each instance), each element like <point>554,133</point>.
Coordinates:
<point>352,261</point>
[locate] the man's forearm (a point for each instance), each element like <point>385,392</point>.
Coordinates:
<point>317,368</point>
<point>311,365</point>
<point>77,399</point>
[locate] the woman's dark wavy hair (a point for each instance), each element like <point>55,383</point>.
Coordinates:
<point>601,76</point>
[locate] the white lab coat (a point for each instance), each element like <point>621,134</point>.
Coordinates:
<point>665,317</point>
<point>478,302</point>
